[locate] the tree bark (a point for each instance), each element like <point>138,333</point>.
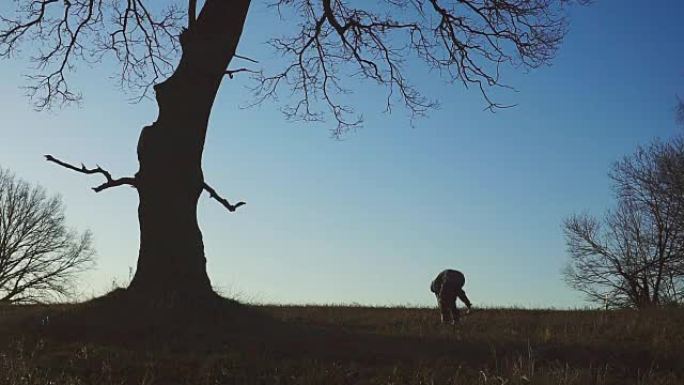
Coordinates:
<point>171,263</point>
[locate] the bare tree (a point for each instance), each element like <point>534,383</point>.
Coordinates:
<point>671,171</point>
<point>467,41</point>
<point>634,257</point>
<point>39,256</point>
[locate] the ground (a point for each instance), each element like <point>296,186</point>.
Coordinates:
<point>232,343</point>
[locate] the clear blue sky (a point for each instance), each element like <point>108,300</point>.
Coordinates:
<point>373,218</point>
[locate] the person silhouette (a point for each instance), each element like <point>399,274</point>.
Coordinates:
<point>448,286</point>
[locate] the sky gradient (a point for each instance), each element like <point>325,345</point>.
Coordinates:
<point>373,218</point>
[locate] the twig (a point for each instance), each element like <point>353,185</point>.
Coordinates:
<point>111,182</point>
<point>231,73</point>
<point>245,58</point>
<point>221,200</point>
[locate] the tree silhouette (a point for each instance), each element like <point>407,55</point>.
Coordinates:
<point>183,51</point>
<point>39,256</point>
<point>634,256</point>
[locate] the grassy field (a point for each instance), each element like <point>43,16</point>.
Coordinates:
<point>339,345</point>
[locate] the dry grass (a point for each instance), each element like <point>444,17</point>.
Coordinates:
<point>341,345</point>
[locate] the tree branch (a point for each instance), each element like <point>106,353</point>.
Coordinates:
<point>223,201</point>
<point>111,182</point>
<point>144,40</point>
<point>466,41</point>
<point>245,58</point>
<point>231,73</point>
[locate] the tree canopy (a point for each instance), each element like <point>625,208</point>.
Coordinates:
<point>467,42</point>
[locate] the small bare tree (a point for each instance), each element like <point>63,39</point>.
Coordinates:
<point>634,257</point>
<point>39,256</point>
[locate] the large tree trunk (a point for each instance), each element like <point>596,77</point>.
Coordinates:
<point>171,263</point>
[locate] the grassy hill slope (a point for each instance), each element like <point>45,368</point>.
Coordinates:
<point>239,344</point>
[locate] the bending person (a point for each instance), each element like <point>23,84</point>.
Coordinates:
<point>448,286</point>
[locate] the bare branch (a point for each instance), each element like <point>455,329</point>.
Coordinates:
<point>335,42</point>
<point>245,58</point>
<point>223,201</point>
<point>63,33</point>
<point>465,41</point>
<point>231,73</point>
<point>111,182</point>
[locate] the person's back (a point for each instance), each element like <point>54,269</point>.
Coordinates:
<point>447,286</point>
